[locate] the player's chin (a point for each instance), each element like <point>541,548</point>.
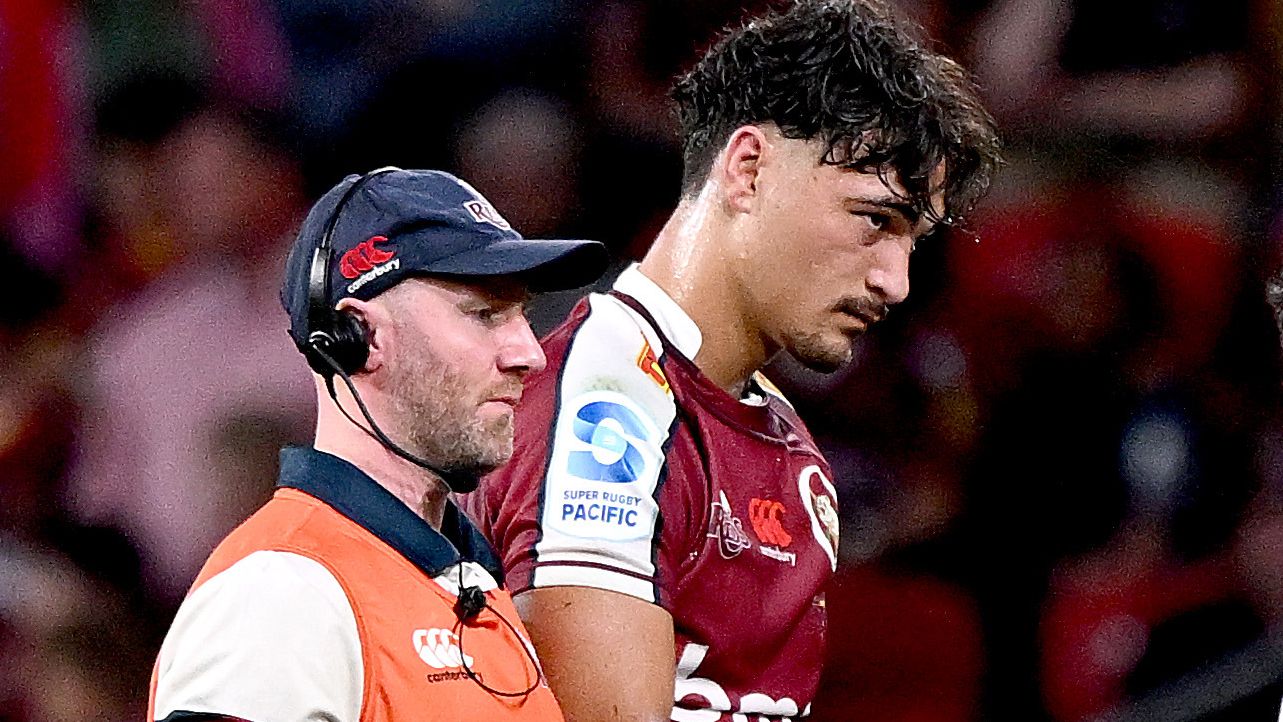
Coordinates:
<point>824,353</point>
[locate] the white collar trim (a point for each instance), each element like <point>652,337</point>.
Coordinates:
<point>673,321</point>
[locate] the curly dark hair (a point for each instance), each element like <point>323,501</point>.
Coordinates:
<point>1274,296</point>
<point>850,73</point>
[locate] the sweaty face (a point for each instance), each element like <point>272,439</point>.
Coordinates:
<point>456,370</point>
<point>827,252</point>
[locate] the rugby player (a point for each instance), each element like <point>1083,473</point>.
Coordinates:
<point>668,525</point>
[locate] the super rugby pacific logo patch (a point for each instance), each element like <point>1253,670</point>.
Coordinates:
<point>614,436</point>
<point>604,469</point>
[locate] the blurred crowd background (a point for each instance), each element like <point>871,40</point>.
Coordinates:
<point>1061,461</point>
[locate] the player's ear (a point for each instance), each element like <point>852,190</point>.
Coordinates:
<point>376,320</point>
<point>739,164</point>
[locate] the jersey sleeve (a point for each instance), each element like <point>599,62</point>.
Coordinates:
<point>590,510</point>
<point>273,637</point>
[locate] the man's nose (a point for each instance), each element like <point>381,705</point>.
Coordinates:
<point>520,351</point>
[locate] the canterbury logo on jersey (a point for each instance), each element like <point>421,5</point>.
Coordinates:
<point>439,648</point>
<point>767,519</point>
<point>364,257</point>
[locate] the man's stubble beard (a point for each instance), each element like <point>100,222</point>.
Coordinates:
<point>430,403</point>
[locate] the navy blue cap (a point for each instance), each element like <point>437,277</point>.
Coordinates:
<point>403,223</point>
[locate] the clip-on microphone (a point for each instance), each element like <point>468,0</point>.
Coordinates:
<point>470,602</point>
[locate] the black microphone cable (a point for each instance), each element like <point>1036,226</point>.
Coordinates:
<point>471,601</point>
<point>459,482</point>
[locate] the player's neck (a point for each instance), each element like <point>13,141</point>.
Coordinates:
<point>688,263</point>
<point>730,356</point>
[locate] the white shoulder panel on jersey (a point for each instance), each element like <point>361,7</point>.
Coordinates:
<point>614,412</point>
<point>273,637</point>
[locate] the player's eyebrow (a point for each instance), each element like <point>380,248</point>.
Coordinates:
<point>891,203</point>
<point>898,205</point>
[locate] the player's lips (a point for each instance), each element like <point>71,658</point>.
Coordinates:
<point>866,314</point>
<point>854,324</point>
<point>510,400</point>
<point>862,321</point>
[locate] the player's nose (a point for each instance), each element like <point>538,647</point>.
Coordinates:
<point>889,275</point>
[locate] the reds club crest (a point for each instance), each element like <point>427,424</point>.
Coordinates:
<point>483,212</point>
<point>724,526</point>
<point>820,500</point>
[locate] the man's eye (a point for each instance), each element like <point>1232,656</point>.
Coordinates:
<point>497,314</point>
<point>876,221</point>
<point>486,314</point>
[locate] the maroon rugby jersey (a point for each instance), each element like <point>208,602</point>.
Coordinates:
<point>634,472</point>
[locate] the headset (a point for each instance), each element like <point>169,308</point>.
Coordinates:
<point>338,343</point>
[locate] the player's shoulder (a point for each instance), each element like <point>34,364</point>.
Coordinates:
<point>602,346</point>
<point>607,325</point>
<point>613,342</point>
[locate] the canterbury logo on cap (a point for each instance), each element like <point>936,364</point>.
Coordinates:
<point>364,257</point>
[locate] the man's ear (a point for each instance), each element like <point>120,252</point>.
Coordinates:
<point>739,165</point>
<point>376,320</point>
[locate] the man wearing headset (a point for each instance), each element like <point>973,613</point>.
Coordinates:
<point>359,591</point>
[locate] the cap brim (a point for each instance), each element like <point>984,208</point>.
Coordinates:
<point>542,265</point>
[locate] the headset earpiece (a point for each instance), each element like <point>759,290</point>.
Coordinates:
<point>345,339</point>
